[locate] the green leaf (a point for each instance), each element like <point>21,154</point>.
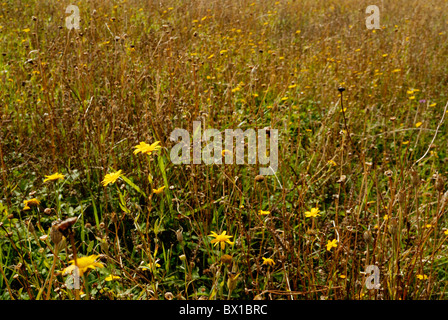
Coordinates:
<point>135,187</point>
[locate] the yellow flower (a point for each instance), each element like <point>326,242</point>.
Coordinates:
<point>268,261</point>
<point>157,191</point>
<point>84,264</point>
<point>386,217</point>
<point>54,176</point>
<point>445,232</point>
<point>111,178</point>
<point>332,244</point>
<point>418,124</point>
<point>313,213</point>
<point>151,265</point>
<point>263,213</point>
<point>111,277</point>
<point>26,30</point>
<point>221,238</point>
<point>422,276</point>
<point>31,203</point>
<point>146,148</point>
<point>225,151</point>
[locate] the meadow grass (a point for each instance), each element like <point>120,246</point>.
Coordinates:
<point>373,162</point>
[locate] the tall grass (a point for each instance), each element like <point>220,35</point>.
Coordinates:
<point>78,102</point>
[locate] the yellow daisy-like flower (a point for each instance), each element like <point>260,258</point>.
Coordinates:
<point>268,261</point>
<point>143,147</point>
<point>111,178</point>
<point>54,176</point>
<point>263,213</point>
<point>84,265</point>
<point>313,213</point>
<point>111,277</point>
<point>445,232</point>
<point>221,238</point>
<point>332,244</point>
<point>422,276</point>
<point>157,191</point>
<point>31,203</point>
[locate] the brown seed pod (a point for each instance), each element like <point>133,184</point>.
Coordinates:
<point>227,259</point>
<point>259,178</point>
<point>65,226</point>
<point>368,236</point>
<point>55,234</point>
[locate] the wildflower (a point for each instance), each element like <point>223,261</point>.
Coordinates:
<point>433,104</point>
<point>445,232</point>
<point>111,277</point>
<point>313,213</point>
<point>146,148</point>
<point>396,70</point>
<point>418,124</point>
<point>263,213</point>
<point>428,226</point>
<point>332,162</point>
<point>225,151</point>
<point>111,178</point>
<point>332,244</point>
<point>422,276</point>
<point>54,176</point>
<point>26,30</point>
<point>342,276</point>
<point>151,265</point>
<point>221,238</point>
<point>84,264</point>
<point>159,190</point>
<point>268,261</point>
<point>30,203</point>
<point>386,217</point>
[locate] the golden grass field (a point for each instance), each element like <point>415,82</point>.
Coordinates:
<point>361,179</point>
